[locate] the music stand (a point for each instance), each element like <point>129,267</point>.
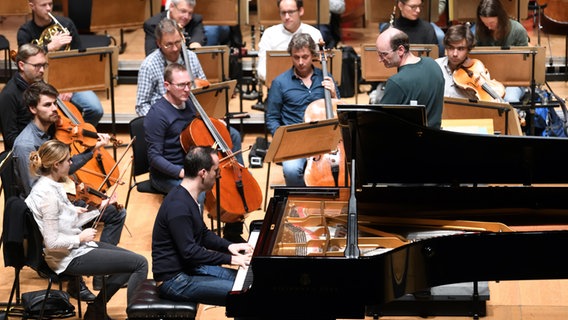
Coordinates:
<point>315,12</point>
<point>278,61</point>
<point>108,14</point>
<point>214,61</point>
<point>210,98</point>
<point>503,115</point>
<point>525,73</point>
<point>301,141</point>
<point>96,64</point>
<point>224,12</point>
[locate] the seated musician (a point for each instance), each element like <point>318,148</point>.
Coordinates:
<point>186,255</point>
<point>151,74</point>
<point>181,11</point>
<point>68,248</point>
<point>278,36</point>
<point>31,63</point>
<point>291,93</point>
<point>164,123</point>
<point>418,80</point>
<point>459,41</point>
<point>59,35</point>
<point>40,99</point>
<point>495,28</point>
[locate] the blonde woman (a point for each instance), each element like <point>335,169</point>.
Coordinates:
<point>69,247</point>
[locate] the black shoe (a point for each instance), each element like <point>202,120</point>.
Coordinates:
<point>97,283</point>
<point>232,232</point>
<point>85,293</point>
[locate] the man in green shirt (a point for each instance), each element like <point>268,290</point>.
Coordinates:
<point>419,80</point>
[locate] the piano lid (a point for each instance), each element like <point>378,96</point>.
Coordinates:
<point>392,146</point>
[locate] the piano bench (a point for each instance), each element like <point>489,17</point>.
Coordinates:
<point>147,304</point>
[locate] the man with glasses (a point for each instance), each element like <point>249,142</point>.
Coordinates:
<point>181,11</point>
<point>14,115</point>
<point>86,101</point>
<point>278,36</point>
<point>168,39</point>
<point>419,80</point>
<point>164,122</point>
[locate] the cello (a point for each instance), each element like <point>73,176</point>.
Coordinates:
<point>476,77</point>
<point>326,169</point>
<point>239,191</point>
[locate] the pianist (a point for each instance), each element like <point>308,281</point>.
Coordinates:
<point>186,256</point>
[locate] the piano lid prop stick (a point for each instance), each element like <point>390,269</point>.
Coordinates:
<point>352,249</point>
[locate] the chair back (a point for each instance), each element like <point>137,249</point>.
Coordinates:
<point>140,164</point>
<point>7,175</point>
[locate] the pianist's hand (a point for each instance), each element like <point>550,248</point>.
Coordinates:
<point>238,258</point>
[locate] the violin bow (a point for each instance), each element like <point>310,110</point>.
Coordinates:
<point>116,165</point>
<point>102,210</point>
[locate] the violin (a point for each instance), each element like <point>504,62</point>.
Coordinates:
<point>476,77</point>
<point>99,173</point>
<point>326,169</point>
<point>239,191</point>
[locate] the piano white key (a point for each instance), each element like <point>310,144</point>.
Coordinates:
<point>242,272</point>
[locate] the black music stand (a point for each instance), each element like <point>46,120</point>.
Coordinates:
<point>62,73</point>
<point>301,141</point>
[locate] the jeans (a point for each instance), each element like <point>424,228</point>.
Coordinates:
<point>90,106</point>
<point>120,264</point>
<point>217,35</point>
<point>294,172</point>
<point>514,94</point>
<point>204,284</point>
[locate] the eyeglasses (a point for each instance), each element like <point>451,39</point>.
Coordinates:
<point>289,12</point>
<point>182,85</point>
<point>38,66</point>
<point>414,7</point>
<point>384,54</point>
<point>172,44</point>
<point>183,11</point>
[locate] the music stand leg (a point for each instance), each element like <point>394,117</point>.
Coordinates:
<point>267,185</point>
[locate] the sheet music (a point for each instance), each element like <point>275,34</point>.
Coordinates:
<point>242,273</point>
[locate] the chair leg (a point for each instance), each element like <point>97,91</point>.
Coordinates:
<point>47,291</point>
<point>15,287</point>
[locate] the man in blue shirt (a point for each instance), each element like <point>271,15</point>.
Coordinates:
<point>292,92</point>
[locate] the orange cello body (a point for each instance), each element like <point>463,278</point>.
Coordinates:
<point>327,170</point>
<point>239,191</point>
<point>477,78</point>
<point>99,173</point>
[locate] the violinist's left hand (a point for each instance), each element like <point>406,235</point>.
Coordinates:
<point>328,84</point>
<point>103,140</point>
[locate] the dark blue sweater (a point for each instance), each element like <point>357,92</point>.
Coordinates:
<point>181,240</point>
<point>163,125</point>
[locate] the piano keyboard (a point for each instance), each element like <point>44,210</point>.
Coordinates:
<point>244,275</point>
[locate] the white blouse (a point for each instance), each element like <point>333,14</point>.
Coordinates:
<point>59,223</point>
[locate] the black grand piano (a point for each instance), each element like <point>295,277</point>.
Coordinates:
<point>431,208</point>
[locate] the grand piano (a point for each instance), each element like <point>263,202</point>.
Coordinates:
<point>426,208</point>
